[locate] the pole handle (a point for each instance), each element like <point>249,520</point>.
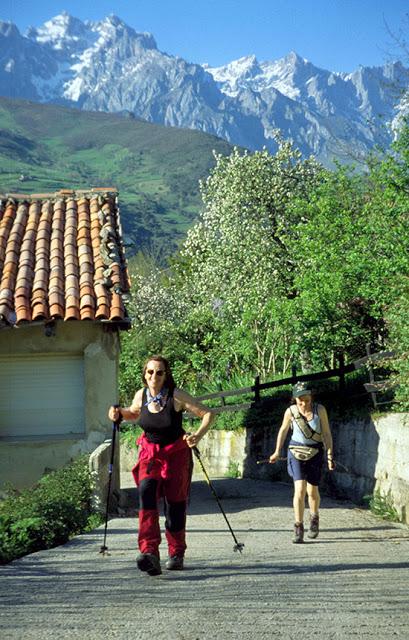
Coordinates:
<point>116,423</point>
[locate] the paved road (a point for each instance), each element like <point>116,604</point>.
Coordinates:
<point>352,582</point>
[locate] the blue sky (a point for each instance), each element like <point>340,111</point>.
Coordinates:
<point>338,35</point>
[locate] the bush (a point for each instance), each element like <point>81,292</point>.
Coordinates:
<point>382,505</point>
<point>49,514</point>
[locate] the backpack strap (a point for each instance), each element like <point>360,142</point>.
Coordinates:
<point>305,427</point>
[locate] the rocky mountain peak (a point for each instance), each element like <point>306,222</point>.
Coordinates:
<point>108,66</point>
<point>9,30</point>
<point>59,32</point>
<point>117,29</point>
<point>294,59</point>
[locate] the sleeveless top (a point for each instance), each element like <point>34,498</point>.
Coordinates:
<point>315,424</point>
<point>162,427</point>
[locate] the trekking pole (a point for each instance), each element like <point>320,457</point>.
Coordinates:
<point>336,463</point>
<point>115,428</point>
<point>339,464</point>
<point>238,545</point>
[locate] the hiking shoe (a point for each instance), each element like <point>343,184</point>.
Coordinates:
<point>314,527</point>
<point>298,533</point>
<point>174,563</point>
<point>150,563</point>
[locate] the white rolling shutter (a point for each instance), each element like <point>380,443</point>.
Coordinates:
<point>41,395</point>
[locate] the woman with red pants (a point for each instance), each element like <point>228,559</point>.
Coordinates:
<point>164,466</point>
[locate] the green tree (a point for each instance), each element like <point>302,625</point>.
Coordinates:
<point>329,248</point>
<point>236,253</point>
<point>235,261</point>
<point>351,249</point>
<point>287,263</point>
<point>398,326</point>
<point>390,232</point>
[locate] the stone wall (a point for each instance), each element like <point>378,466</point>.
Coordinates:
<point>392,468</point>
<point>99,465</point>
<point>221,451</point>
<point>372,455</point>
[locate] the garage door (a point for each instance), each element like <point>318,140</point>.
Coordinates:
<point>41,395</point>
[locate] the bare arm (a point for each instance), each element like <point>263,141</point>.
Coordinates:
<point>326,436</point>
<point>130,413</point>
<point>282,434</point>
<point>185,402</point>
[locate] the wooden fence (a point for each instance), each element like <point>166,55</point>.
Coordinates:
<point>373,387</point>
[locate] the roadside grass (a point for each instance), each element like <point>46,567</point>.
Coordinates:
<point>233,470</point>
<point>381,504</point>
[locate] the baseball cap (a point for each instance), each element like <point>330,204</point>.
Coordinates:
<point>301,389</point>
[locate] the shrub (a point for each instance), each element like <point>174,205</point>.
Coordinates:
<point>382,505</point>
<point>233,470</point>
<point>129,434</point>
<point>49,514</point>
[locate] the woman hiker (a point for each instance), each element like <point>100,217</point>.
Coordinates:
<point>310,441</point>
<point>164,466</point>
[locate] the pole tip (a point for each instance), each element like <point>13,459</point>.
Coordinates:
<point>238,547</point>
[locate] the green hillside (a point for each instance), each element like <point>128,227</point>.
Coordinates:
<point>156,169</point>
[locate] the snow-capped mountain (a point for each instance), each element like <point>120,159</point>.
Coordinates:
<point>108,66</point>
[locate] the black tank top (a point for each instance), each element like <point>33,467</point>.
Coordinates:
<point>163,427</point>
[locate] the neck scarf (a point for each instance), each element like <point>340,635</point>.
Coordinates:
<point>160,397</point>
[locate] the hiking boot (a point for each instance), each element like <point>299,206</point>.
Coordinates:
<point>150,563</point>
<point>298,533</point>
<point>314,527</point>
<point>174,563</point>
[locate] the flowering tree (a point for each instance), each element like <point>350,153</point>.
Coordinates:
<point>235,260</point>
<point>237,250</point>
<point>288,263</point>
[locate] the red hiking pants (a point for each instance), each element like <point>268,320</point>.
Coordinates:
<point>163,472</point>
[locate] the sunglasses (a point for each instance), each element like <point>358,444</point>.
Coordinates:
<point>159,372</point>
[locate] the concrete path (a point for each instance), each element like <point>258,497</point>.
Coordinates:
<point>352,582</point>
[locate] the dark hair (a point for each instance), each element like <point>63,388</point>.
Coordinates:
<point>170,383</point>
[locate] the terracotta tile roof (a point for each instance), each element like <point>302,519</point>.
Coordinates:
<point>62,257</point>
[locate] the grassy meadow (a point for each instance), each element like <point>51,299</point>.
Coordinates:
<point>44,148</point>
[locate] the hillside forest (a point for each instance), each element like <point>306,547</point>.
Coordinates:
<point>289,264</point>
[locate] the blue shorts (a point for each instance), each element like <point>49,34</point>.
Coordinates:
<point>309,470</point>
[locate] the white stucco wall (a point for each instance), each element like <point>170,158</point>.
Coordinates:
<point>24,460</point>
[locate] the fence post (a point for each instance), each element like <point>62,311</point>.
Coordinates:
<point>222,400</point>
<point>257,389</point>
<point>341,362</point>
<point>294,372</point>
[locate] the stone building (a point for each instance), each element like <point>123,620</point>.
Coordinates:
<point>63,287</point>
